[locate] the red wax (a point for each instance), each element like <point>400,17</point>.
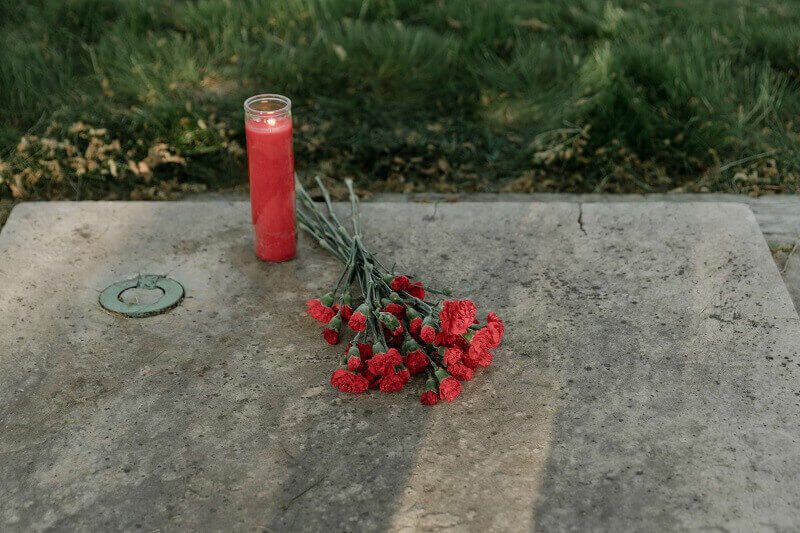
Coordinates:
<point>270,162</point>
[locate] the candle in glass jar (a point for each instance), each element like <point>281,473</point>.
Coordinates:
<point>270,164</point>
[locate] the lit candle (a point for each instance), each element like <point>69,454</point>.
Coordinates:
<point>270,163</point>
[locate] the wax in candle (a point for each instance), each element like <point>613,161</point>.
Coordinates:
<point>270,161</point>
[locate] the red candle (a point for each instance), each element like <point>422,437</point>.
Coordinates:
<point>270,163</point>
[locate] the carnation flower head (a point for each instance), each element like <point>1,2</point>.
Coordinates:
<point>396,309</point>
<point>364,351</point>
<point>427,334</point>
<point>344,311</point>
<point>358,320</point>
<point>443,339</point>
<point>403,284</point>
<point>493,332</point>
<point>347,381</point>
<point>497,324</point>
<point>415,326</point>
<point>429,398</point>
<point>449,387</point>
<point>416,361</point>
<point>431,394</point>
<point>354,361</point>
<point>377,364</point>
<point>383,363</point>
<point>373,379</point>
<point>417,290</point>
<point>394,381</point>
<point>475,358</point>
<point>478,353</point>
<point>400,283</point>
<point>457,316</point>
<point>331,336</point>
<point>460,371</point>
<point>319,312</point>
<point>331,331</point>
<point>453,355</point>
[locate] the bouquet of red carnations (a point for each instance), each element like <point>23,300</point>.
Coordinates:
<point>398,332</point>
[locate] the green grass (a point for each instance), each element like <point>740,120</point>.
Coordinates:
<point>142,99</point>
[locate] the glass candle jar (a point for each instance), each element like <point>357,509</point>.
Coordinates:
<point>270,165</point>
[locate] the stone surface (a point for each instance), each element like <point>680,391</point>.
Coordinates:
<point>787,257</point>
<point>777,214</point>
<point>649,377</point>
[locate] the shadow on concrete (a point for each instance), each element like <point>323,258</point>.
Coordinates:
<point>669,419</point>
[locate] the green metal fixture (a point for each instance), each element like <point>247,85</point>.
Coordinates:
<point>172,295</point>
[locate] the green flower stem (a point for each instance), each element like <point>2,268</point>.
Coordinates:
<point>323,222</point>
<point>360,266</point>
<point>326,195</point>
<point>355,213</point>
<point>348,271</point>
<point>323,231</point>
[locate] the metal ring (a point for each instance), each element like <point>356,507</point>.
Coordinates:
<point>173,294</point>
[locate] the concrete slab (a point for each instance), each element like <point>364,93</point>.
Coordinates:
<point>777,214</point>
<point>788,260</point>
<point>649,379</point>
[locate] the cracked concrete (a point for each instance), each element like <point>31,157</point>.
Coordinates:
<point>580,218</point>
<point>648,380</point>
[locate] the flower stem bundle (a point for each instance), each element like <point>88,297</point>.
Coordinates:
<point>399,329</point>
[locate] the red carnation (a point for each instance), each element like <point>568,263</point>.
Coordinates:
<point>472,359</point>
<point>415,326</point>
<point>357,322</point>
<point>393,357</point>
<point>394,381</point>
<point>373,379</point>
<point>377,364</point>
<point>429,398</point>
<point>497,328</point>
<point>346,312</point>
<point>319,312</point>
<point>460,371</point>
<point>457,316</point>
<point>354,363</point>
<point>417,290</point>
<point>400,283</point>
<point>484,340</point>
<point>347,381</point>
<point>453,355</point>
<point>416,361</point>
<point>443,339</point>
<point>494,335</point>
<point>449,389</point>
<point>331,336</point>
<point>384,363</point>
<point>478,353</point>
<point>396,309</point>
<point>365,351</point>
<point>427,334</point>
